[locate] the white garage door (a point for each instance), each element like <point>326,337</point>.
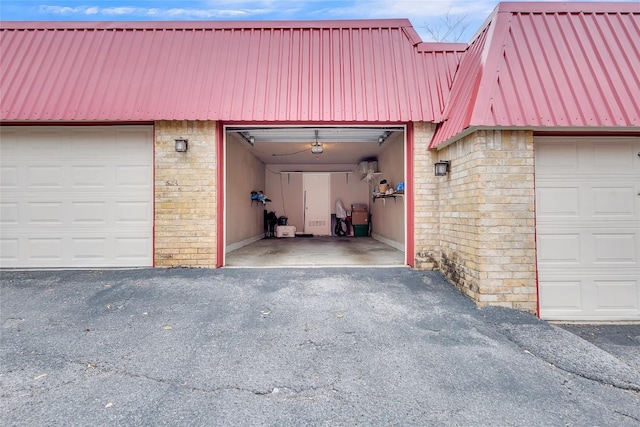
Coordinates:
<point>76,196</point>
<point>588,228</point>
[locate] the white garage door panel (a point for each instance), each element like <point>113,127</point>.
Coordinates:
<point>77,197</point>
<point>78,250</point>
<point>586,200</point>
<point>588,248</point>
<point>588,228</point>
<point>590,297</point>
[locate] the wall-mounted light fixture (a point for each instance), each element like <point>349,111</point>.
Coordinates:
<point>249,138</point>
<point>182,145</point>
<point>441,168</point>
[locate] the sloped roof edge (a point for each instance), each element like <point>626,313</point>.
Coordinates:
<point>548,65</point>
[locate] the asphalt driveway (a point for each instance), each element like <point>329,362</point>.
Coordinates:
<point>293,347</point>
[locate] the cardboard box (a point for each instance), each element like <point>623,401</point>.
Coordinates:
<point>359,217</point>
<point>359,207</point>
<point>285,231</point>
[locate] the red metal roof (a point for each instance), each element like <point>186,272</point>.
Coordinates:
<point>336,71</point>
<point>549,65</point>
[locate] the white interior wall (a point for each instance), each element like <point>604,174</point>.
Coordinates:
<point>285,188</point>
<point>245,173</point>
<point>388,215</point>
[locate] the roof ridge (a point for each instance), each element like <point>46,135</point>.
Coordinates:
<point>547,7</point>
<point>400,23</point>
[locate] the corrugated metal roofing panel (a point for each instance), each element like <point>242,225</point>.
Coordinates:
<point>550,65</point>
<point>568,70</point>
<point>324,71</point>
<point>440,67</point>
<point>459,106</point>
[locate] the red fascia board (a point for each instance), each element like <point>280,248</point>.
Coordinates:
<point>76,123</point>
<point>584,132</point>
<point>289,123</point>
<point>221,173</point>
<point>200,25</point>
<point>539,131</point>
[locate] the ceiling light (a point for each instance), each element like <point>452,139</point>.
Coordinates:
<point>382,138</point>
<point>316,148</point>
<point>248,138</point>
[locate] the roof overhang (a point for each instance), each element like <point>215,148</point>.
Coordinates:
<point>545,131</point>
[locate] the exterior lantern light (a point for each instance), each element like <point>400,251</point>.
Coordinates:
<point>442,167</point>
<point>182,145</point>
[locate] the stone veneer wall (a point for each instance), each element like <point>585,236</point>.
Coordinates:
<point>185,195</point>
<point>487,218</point>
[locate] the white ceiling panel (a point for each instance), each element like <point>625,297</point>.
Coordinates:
<point>292,145</point>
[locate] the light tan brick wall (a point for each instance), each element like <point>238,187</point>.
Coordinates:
<point>185,195</point>
<point>487,230</point>
<point>425,191</point>
<point>459,193</point>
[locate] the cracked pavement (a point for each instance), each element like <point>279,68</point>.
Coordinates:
<point>283,347</point>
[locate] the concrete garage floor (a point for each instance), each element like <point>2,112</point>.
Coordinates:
<point>316,252</point>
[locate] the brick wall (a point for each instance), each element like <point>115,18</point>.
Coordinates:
<point>459,195</point>
<point>185,195</point>
<point>476,225</point>
<point>487,227</point>
<point>426,215</point>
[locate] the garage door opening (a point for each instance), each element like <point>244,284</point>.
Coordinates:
<point>285,186</point>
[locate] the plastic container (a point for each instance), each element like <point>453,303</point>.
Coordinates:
<point>285,231</point>
<point>360,230</point>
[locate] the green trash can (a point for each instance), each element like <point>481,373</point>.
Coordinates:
<point>361,230</point>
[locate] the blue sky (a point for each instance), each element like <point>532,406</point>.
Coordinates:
<point>422,13</point>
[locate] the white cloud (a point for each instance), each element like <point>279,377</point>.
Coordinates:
<point>119,11</point>
<point>211,13</point>
<point>62,10</point>
<point>157,13</point>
